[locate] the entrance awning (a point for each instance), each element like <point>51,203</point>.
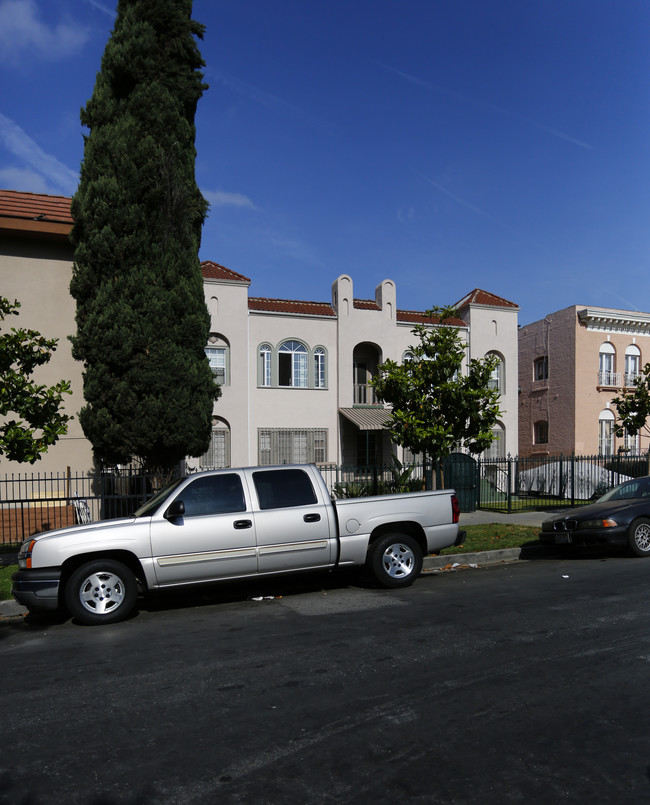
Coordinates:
<point>367,418</point>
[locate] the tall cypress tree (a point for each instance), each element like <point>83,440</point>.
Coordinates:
<point>142,322</point>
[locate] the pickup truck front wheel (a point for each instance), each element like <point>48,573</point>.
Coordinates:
<point>102,591</point>
<point>395,560</point>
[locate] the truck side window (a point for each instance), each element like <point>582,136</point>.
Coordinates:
<point>214,494</point>
<point>279,489</point>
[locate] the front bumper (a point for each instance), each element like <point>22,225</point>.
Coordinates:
<point>37,589</point>
<point>578,536</point>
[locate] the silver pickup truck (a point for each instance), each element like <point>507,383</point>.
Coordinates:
<point>231,524</point>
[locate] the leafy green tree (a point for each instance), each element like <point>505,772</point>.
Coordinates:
<point>142,321</point>
<point>633,406</point>
<point>31,417</point>
<point>435,407</point>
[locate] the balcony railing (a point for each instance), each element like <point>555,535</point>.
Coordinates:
<point>617,379</point>
<point>365,395</point>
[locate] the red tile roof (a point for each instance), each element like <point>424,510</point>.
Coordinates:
<point>479,297</point>
<point>35,215</point>
<point>35,206</point>
<point>213,271</point>
<point>291,306</point>
<point>416,317</point>
<point>366,304</point>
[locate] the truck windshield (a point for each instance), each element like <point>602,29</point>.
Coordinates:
<point>151,505</point>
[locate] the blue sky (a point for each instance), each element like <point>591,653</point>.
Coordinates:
<point>445,144</point>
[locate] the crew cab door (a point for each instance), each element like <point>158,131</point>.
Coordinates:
<point>213,537</point>
<point>292,521</point>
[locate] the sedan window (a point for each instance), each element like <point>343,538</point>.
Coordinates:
<point>629,490</point>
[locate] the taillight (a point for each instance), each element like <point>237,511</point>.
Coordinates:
<point>455,509</point>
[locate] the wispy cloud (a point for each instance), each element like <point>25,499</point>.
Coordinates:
<point>110,11</point>
<point>21,29</point>
<point>58,177</point>
<point>458,199</point>
<point>219,198</point>
<point>478,211</point>
<point>493,107</point>
<point>269,101</point>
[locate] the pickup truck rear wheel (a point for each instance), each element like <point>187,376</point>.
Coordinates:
<point>395,560</point>
<point>102,591</point>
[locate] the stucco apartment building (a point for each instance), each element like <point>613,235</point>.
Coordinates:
<point>572,364</point>
<point>295,375</point>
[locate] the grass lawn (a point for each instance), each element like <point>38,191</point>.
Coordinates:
<point>494,536</point>
<point>5,581</point>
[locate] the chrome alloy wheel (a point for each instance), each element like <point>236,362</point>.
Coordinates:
<point>101,592</point>
<point>398,560</point>
<point>641,536</point>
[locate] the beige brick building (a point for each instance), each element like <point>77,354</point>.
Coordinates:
<point>572,364</point>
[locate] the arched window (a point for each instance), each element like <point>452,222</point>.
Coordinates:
<point>632,364</point>
<point>264,366</point>
<point>498,447</point>
<point>218,352</point>
<point>218,453</point>
<point>606,432</point>
<point>606,365</point>
<point>497,378</point>
<point>292,364</point>
<point>319,368</point>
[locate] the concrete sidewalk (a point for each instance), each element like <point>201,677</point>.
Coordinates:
<point>481,516</point>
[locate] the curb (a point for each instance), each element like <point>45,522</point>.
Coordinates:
<point>446,562</point>
<point>11,609</point>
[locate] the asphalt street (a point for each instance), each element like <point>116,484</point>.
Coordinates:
<point>513,683</point>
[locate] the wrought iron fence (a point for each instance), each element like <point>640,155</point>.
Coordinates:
<point>32,503</point>
<point>517,484</point>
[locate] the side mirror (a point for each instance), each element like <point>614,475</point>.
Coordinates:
<point>176,509</point>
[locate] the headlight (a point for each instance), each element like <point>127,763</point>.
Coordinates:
<point>25,554</point>
<point>606,523</point>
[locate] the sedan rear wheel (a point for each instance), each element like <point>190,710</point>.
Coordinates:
<point>639,537</point>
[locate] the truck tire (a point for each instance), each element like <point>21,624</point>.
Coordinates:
<point>101,591</point>
<point>395,560</point>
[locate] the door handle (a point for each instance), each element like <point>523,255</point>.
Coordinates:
<point>311,518</point>
<point>243,524</point>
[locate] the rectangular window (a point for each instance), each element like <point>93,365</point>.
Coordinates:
<point>540,434</point>
<point>217,360</point>
<point>540,368</point>
<point>289,446</point>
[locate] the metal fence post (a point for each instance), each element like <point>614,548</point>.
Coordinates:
<point>509,484</point>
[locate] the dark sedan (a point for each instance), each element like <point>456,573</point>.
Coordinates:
<point>620,517</point>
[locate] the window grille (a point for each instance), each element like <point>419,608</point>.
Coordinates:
<point>289,446</point>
